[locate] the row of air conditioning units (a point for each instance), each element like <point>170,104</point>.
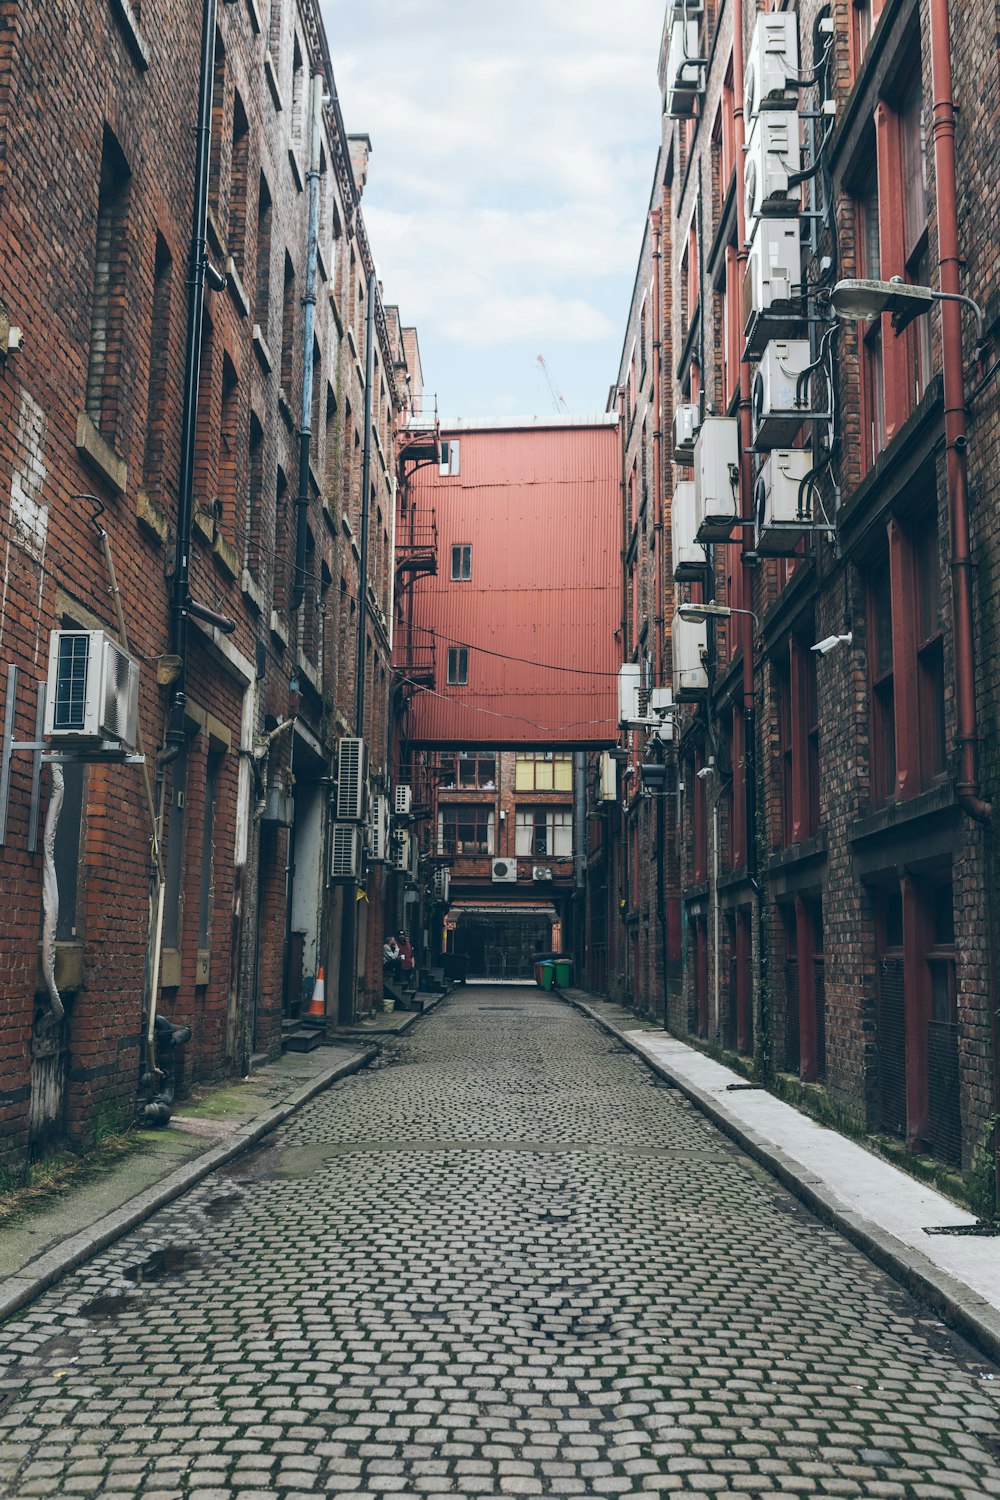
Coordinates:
<point>682,61</point>
<point>641,707</point>
<point>505,872</point>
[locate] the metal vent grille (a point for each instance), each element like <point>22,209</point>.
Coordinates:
<point>70,708</point>
<point>119,695</point>
<point>351,772</point>
<point>403,800</point>
<point>345,853</point>
<point>944,1118</point>
<point>891,1046</point>
<point>792,1050</point>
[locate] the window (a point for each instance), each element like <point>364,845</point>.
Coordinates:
<point>298,95</point>
<point>255,497</point>
<point>228,446</point>
<point>156,391</point>
<point>239,171</point>
<point>109,293</point>
<point>543,771</point>
<point>287,327</point>
<point>465,830</point>
<point>458,666</point>
<point>543,833</point>
<point>930,649</point>
<point>883,708</point>
<point>470,769</point>
<point>218,120</point>
<point>872,366</point>
<point>461,562</point>
<point>262,299</point>
<point>913,150</point>
<point>213,764</point>
<point>450,457</point>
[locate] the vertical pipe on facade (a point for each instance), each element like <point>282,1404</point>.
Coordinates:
<point>949,262</point>
<point>192,363</point>
<point>654,219</point>
<point>366,480</point>
<point>308,342</point>
<point>746,470</point>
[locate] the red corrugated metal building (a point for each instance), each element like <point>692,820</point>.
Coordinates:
<point>522,611</point>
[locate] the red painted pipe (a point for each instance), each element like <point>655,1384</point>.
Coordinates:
<point>659,631</point>
<point>745,600</point>
<point>943,131</point>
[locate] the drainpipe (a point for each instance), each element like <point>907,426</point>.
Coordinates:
<point>579,858</point>
<point>366,483</point>
<point>197,263</point>
<point>308,340</point>
<point>949,262</point>
<point>654,220</point>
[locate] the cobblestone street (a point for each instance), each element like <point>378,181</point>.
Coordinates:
<point>505,1261</point>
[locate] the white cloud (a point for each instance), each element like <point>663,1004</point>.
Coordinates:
<point>513,157</point>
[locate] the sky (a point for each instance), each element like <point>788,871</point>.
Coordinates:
<point>513,152</point>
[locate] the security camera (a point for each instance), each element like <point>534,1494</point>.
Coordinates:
<point>830,642</point>
<point>706,771</point>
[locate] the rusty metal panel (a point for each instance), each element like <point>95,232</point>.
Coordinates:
<point>540,508</point>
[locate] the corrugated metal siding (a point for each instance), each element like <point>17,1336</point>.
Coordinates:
<point>541,510</point>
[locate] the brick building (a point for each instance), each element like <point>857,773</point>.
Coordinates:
<point>247,658</point>
<point>825,480</point>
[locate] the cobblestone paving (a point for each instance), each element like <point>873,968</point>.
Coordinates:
<point>507,1261</point>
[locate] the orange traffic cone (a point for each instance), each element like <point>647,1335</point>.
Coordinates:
<point>317,1005</point>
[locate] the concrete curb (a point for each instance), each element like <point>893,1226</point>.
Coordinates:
<point>954,1302</point>
<point>17,1291</point>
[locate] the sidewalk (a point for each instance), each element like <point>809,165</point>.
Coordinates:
<point>881,1209</point>
<point>205,1133</point>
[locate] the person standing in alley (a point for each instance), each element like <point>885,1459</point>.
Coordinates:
<point>406,962</point>
<point>391,958</point>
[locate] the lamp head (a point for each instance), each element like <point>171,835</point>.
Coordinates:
<point>695,614</point>
<point>870,299</point>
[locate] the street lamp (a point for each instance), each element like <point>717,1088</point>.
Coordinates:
<point>870,299</point>
<point>694,614</point>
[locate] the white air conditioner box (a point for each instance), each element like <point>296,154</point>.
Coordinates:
<point>629,677</point>
<point>504,871</point>
<point>781,515</point>
<point>690,647</point>
<point>770,77</point>
<point>772,286</point>
<point>347,852</point>
<point>442,884</point>
<point>716,478</point>
<point>541,872</point>
<point>401,850</point>
<point>685,428</point>
<point>380,828</point>
<point>607,790</point>
<point>774,154</point>
<point>661,703</point>
<point>689,557</point>
<point>684,76</point>
<point>776,413</point>
<point>351,798</point>
<point>93,690</point>
<point>404,801</point>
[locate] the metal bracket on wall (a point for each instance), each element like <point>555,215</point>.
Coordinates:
<point>10,745</point>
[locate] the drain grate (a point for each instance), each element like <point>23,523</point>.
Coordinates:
<point>500,1007</point>
<point>985,1229</point>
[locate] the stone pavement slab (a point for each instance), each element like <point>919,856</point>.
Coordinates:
<point>880,1207</point>
<point>204,1133</point>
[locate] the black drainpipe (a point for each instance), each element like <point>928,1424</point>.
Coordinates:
<point>366,483</point>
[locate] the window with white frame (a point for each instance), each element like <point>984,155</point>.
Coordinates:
<point>461,561</point>
<point>543,833</point>
<point>450,456</point>
<point>458,666</point>
<point>543,771</point>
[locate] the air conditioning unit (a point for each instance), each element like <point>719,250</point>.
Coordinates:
<point>607,790</point>
<point>401,850</point>
<point>347,852</point>
<point>380,827</point>
<point>770,77</point>
<point>689,557</point>
<point>776,414</point>
<point>504,871</point>
<point>684,73</point>
<point>774,154</point>
<point>541,872</point>
<point>404,801</point>
<point>93,690</point>
<point>716,479</point>
<point>772,286</point>
<point>685,428</point>
<point>782,508</point>
<point>629,678</point>
<point>351,800</point>
<point>661,703</point>
<point>690,648</point>
<point>442,884</point>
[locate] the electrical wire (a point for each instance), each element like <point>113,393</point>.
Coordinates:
<point>527,661</point>
<point>494,714</point>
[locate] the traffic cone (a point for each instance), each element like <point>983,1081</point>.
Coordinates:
<point>317,1005</point>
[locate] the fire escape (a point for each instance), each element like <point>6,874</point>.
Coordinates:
<point>418,445</point>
